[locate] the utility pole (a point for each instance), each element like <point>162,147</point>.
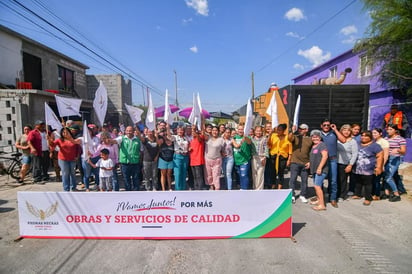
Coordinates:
<point>177,103</point>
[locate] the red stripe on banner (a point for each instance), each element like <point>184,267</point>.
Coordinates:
<point>126,238</point>
<point>282,231</point>
<point>154,208</point>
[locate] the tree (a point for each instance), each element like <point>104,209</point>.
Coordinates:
<point>388,42</point>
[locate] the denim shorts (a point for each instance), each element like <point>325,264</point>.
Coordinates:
<point>26,159</point>
<point>162,164</point>
<point>318,179</point>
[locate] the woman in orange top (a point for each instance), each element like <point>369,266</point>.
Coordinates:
<point>280,151</point>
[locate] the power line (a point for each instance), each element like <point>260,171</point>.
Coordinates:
<point>304,38</point>
<point>144,82</point>
<point>43,6</point>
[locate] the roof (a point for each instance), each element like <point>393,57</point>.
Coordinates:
<point>327,64</point>
<point>27,39</point>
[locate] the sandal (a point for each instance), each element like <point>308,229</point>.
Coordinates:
<point>314,202</point>
<point>354,197</point>
<point>366,202</point>
<point>375,198</point>
<point>318,208</point>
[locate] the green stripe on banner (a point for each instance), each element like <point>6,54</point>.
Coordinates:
<point>278,217</point>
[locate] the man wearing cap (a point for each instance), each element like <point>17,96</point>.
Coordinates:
<point>301,145</point>
<point>34,141</point>
<point>396,117</point>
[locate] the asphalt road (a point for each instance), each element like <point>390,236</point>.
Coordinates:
<point>350,239</point>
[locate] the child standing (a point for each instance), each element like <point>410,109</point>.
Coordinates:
<point>106,170</point>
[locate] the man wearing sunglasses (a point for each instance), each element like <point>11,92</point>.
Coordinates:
<point>330,135</point>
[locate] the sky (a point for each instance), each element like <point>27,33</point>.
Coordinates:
<point>210,47</point>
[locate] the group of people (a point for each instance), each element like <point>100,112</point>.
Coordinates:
<point>215,157</point>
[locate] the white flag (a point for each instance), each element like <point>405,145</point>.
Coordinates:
<point>150,116</point>
<point>249,118</point>
<point>87,144</point>
<point>134,113</point>
<point>68,106</point>
<point>296,114</point>
<point>168,114</point>
<point>51,118</point>
<point>100,103</point>
<point>195,117</point>
<point>272,110</point>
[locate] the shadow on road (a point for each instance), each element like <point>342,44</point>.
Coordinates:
<point>296,227</point>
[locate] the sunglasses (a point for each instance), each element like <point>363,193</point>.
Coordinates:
<point>326,125</point>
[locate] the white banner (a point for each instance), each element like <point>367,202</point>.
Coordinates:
<point>150,116</point>
<point>68,106</point>
<point>134,113</point>
<point>272,110</point>
<point>100,103</point>
<point>168,114</point>
<point>156,215</point>
<point>51,118</point>
<point>249,118</point>
<point>195,117</point>
<point>296,114</point>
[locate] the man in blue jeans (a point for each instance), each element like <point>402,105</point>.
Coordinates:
<point>330,135</point>
<point>301,145</point>
<point>129,159</point>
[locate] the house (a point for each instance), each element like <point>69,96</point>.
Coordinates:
<point>32,73</point>
<point>381,97</point>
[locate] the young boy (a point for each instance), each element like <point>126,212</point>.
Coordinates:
<point>106,170</point>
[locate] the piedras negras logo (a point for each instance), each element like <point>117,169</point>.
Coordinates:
<point>42,214</point>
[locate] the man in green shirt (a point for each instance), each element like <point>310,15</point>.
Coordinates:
<point>129,158</point>
<point>242,153</point>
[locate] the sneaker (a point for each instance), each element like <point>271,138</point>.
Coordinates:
<point>293,199</point>
<point>340,200</point>
<point>395,198</point>
<point>303,199</point>
<point>350,193</point>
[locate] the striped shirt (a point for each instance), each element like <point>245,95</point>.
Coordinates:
<point>395,144</point>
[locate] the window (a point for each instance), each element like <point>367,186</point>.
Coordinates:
<point>333,72</point>
<point>66,79</point>
<point>32,69</point>
<point>8,117</point>
<point>13,110</point>
<point>364,68</point>
<point>7,104</point>
<point>8,130</point>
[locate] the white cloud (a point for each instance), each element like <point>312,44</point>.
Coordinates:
<point>349,30</point>
<point>187,21</point>
<point>315,55</point>
<point>194,49</point>
<point>201,6</point>
<point>350,40</point>
<point>294,14</point>
<point>298,66</point>
<point>294,35</point>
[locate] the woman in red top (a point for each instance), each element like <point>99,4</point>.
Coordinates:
<point>67,157</point>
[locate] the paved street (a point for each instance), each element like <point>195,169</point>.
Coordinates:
<point>350,239</point>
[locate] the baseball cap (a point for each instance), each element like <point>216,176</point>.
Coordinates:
<point>304,126</point>
<point>39,122</point>
<point>91,126</point>
<point>75,127</point>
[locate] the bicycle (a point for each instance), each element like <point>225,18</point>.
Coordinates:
<point>11,165</point>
